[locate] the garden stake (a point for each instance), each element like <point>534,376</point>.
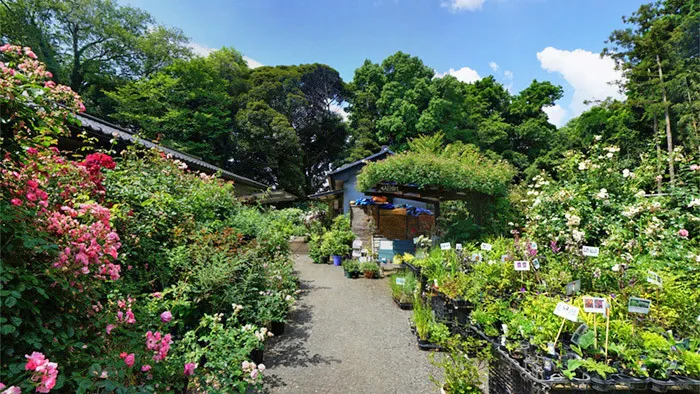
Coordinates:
<point>607,331</point>
<point>595,331</point>
<point>563,320</point>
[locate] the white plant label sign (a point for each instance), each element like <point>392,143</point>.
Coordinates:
<point>533,245</point>
<point>521,265</point>
<point>476,257</point>
<point>357,244</point>
<point>386,245</point>
<point>591,251</point>
<point>594,305</point>
<point>445,246</point>
<point>568,312</point>
<point>573,287</point>
<point>654,278</point>
<point>458,246</point>
<point>639,305</point>
<point>400,281</point>
<point>504,257</point>
<point>536,264</point>
<point>485,246</point>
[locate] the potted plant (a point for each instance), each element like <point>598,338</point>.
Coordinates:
<point>403,288</point>
<point>337,241</point>
<point>351,269</point>
<point>370,270</point>
<point>460,371</point>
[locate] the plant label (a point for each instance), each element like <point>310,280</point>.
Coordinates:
<point>536,263</point>
<point>533,245</point>
<point>654,278</point>
<point>504,328</point>
<point>521,265</point>
<point>416,240</point>
<point>356,253</point>
<point>504,258</point>
<point>573,287</point>
<point>476,257</point>
<point>458,246</point>
<point>568,312</point>
<point>400,281</point>
<point>616,267</point>
<point>550,348</point>
<point>591,251</point>
<point>445,246</point>
<point>357,244</point>
<point>594,305</point>
<point>639,305</point>
<point>386,245</point>
<point>485,246</point>
<point>576,338</point>
<point>503,340</point>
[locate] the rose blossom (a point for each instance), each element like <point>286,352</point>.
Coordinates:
<point>166,316</point>
<point>145,368</point>
<point>189,369</point>
<point>683,233</point>
<point>129,360</point>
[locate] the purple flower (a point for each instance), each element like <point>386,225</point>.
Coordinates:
<point>166,316</point>
<point>555,248</point>
<point>612,295</point>
<point>522,290</point>
<point>189,368</point>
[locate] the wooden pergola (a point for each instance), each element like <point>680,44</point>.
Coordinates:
<point>477,202</point>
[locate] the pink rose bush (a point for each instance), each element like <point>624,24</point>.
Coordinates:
<point>44,372</point>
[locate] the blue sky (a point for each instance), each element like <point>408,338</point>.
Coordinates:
<point>515,40</point>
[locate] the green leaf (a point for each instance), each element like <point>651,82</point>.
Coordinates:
<point>10,302</point>
<point>8,329</point>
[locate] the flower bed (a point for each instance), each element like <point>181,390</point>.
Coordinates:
<point>125,273</point>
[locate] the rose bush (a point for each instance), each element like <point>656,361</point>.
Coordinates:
<point>119,268</point>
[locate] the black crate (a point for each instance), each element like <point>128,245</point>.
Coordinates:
<point>444,313</point>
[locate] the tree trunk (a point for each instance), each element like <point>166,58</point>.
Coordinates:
<point>76,76</point>
<point>669,135</point>
<point>658,155</point>
<point>692,113</point>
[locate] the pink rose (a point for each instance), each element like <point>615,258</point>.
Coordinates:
<point>145,368</point>
<point>123,355</point>
<point>34,361</point>
<point>30,54</point>
<point>32,151</point>
<point>694,167</point>
<point>166,316</point>
<point>16,202</point>
<point>189,369</point>
<point>110,327</point>
<point>683,233</point>
<point>129,360</point>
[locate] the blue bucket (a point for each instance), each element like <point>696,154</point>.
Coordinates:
<point>337,260</point>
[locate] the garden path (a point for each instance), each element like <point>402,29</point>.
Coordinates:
<point>345,336</point>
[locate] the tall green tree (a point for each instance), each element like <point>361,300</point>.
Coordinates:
<point>92,45</point>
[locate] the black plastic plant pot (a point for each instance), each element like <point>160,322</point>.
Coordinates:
<point>256,355</point>
<point>407,306</point>
<point>663,386</point>
<point>429,346</point>
<point>630,381</point>
<point>598,383</point>
<point>277,327</point>
<point>348,274</point>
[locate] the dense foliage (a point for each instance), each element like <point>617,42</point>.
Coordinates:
<point>126,272</point>
<point>455,167</point>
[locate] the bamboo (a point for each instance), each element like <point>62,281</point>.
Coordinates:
<point>595,331</point>
<point>607,331</point>
<point>563,320</point>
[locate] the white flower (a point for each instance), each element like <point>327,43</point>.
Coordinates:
<point>602,194</point>
<point>578,235</point>
<point>582,166</point>
<point>572,220</point>
<point>598,137</point>
<point>694,203</point>
<point>609,155</point>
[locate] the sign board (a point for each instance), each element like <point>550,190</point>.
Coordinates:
<point>445,246</point>
<point>594,305</point>
<point>568,312</point>
<point>400,281</point>
<point>654,278</point>
<point>591,251</point>
<point>357,244</point>
<point>386,245</point>
<point>504,257</point>
<point>389,188</point>
<point>356,253</point>
<point>476,257</point>
<point>458,246</point>
<point>639,305</point>
<point>521,265</point>
<point>536,263</point>
<point>573,287</point>
<point>576,337</point>
<point>533,245</point>
<point>485,246</point>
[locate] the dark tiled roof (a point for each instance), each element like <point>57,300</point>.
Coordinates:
<point>385,151</point>
<point>325,194</point>
<point>113,131</point>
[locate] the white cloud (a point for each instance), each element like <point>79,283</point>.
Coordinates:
<point>200,50</point>
<point>252,63</point>
<point>339,110</point>
<point>508,74</point>
<point>463,5</point>
<point>556,114</point>
<point>494,66</point>
<point>464,74</point>
<point>588,73</point>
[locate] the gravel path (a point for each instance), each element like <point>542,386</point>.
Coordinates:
<point>345,336</point>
